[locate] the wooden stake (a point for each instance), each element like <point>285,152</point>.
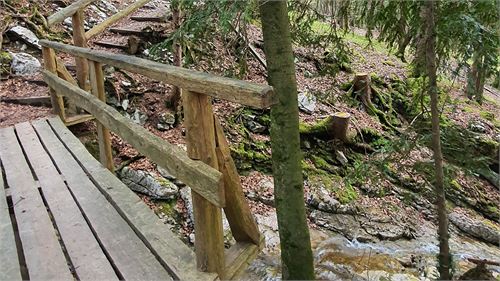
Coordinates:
<point>79,40</point>
<point>49,60</point>
<point>200,137</point>
<point>241,220</point>
<point>105,149</point>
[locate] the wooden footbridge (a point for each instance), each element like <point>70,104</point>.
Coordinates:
<point>64,215</point>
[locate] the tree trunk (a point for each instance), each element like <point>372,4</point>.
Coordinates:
<point>472,76</point>
<point>430,59</point>
<point>296,253</point>
<point>333,127</point>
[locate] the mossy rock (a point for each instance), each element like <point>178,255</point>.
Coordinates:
<point>5,62</point>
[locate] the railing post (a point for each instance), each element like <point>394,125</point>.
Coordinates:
<point>200,137</point>
<point>103,135</point>
<point>79,40</point>
<point>49,61</point>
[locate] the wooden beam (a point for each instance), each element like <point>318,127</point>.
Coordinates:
<point>242,92</point>
<point>114,18</point>
<point>238,257</point>
<point>77,119</point>
<point>203,179</point>
<point>200,141</point>
<point>79,39</point>
<point>34,101</point>
<point>49,61</point>
<point>240,218</point>
<point>103,135</point>
<point>67,12</point>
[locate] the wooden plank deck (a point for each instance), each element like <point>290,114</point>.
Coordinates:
<point>64,216</point>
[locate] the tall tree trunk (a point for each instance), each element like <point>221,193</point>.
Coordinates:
<point>295,241</point>
<point>472,76</point>
<point>430,55</point>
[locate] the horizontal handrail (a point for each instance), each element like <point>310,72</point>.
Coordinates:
<point>203,179</point>
<point>242,92</point>
<point>62,14</point>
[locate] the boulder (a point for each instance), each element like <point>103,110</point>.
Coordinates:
<point>476,226</point>
<point>25,35</point>
<point>307,102</point>
<point>145,183</point>
<point>24,64</point>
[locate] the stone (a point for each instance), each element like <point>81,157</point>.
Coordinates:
<point>320,198</point>
<point>255,127</point>
<point>478,127</point>
<point>125,104</point>
<point>24,64</point>
<point>26,35</point>
<point>185,194</point>
<point>164,173</point>
<point>307,102</point>
<point>339,155</point>
<point>145,183</point>
<point>166,121</point>
<point>138,117</point>
<point>476,226</point>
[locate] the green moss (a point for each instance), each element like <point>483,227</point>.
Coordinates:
<point>455,184</point>
<point>167,207</point>
<point>5,61</point>
<point>347,194</point>
<point>487,115</point>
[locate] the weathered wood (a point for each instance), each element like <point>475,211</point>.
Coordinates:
<point>63,72</point>
<point>163,18</point>
<point>130,256</point>
<point>238,257</point>
<point>49,61</point>
<point>34,101</point>
<point>340,125</point>
<point>67,12</point>
<point>80,40</point>
<point>42,251</point>
<point>242,223</point>
<point>126,31</point>
<point>86,255</point>
<point>115,18</point>
<point>103,135</point>
<point>132,47</point>
<point>242,92</point>
<point>203,179</point>
<point>77,119</point>
<point>9,260</point>
<point>200,140</point>
<point>173,254</point>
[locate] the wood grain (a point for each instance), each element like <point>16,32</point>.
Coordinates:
<point>50,64</point>
<point>203,179</point>
<point>43,254</point>
<point>62,14</point>
<point>242,92</point>
<point>86,255</point>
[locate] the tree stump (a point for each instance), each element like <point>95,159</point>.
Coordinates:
<point>340,125</point>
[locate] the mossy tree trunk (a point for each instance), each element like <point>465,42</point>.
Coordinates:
<point>296,253</point>
<point>431,69</point>
<point>475,78</point>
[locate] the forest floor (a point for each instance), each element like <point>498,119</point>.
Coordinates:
<point>370,202</point>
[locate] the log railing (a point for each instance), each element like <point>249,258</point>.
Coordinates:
<point>80,38</point>
<point>207,167</point>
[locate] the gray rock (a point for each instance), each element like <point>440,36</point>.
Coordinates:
<point>125,104</point>
<point>138,117</point>
<point>185,194</point>
<point>478,127</point>
<point>320,198</point>
<point>26,35</point>
<point>255,127</point>
<point>341,157</point>
<point>166,121</point>
<point>164,173</point>
<point>145,183</point>
<point>307,102</point>
<point>476,227</point>
<point>24,64</point>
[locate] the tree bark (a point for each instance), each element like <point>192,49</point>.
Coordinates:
<point>296,253</point>
<point>175,98</point>
<point>430,59</point>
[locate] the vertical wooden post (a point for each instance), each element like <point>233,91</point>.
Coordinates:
<point>49,61</point>
<point>242,223</point>
<point>79,40</point>
<point>200,136</point>
<point>104,137</point>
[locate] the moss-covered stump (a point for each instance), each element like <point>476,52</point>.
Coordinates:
<point>5,62</point>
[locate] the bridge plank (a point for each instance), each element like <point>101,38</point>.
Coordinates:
<point>163,243</point>
<point>43,254</point>
<point>87,257</point>
<point>128,253</point>
<point>9,260</point>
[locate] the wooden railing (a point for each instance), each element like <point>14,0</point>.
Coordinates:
<point>207,167</point>
<point>80,38</point>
